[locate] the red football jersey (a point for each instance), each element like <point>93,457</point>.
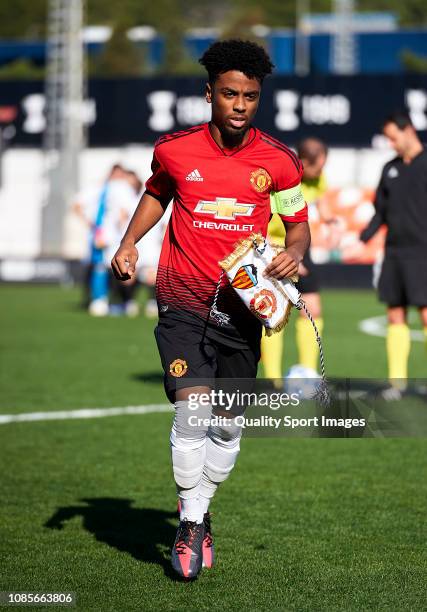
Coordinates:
<point>219,197</point>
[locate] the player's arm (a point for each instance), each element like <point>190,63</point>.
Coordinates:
<point>379,217</point>
<point>288,200</point>
<point>297,242</point>
<point>148,212</point>
<point>372,227</point>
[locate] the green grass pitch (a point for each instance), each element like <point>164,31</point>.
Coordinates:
<point>89,505</point>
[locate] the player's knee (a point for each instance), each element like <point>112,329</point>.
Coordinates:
<point>227,433</point>
<point>396,316</point>
<point>186,394</point>
<point>223,452</point>
<point>190,423</point>
<point>314,305</point>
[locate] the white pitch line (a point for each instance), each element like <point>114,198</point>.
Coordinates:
<point>377,326</point>
<point>84,413</point>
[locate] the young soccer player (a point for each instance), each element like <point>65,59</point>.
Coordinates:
<point>220,176</point>
<point>401,205</point>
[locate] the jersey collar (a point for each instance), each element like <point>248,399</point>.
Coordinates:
<point>253,138</point>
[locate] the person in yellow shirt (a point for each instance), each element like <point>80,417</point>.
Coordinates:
<point>313,154</point>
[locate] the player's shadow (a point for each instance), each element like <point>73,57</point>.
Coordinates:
<point>145,533</point>
<point>152,377</point>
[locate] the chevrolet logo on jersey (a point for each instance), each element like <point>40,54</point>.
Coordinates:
<point>224,208</point>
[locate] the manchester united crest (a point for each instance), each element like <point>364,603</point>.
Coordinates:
<point>260,180</point>
<point>246,277</point>
<point>264,304</point>
<point>178,368</point>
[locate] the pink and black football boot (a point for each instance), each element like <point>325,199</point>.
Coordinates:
<point>187,551</point>
<point>208,545</point>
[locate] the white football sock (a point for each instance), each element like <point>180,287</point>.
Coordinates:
<point>206,487</point>
<point>222,448</point>
<point>188,446</point>
<point>190,508</point>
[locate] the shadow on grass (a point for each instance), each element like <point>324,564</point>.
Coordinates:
<point>152,377</point>
<point>144,533</point>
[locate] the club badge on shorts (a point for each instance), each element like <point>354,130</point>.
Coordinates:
<point>178,368</point>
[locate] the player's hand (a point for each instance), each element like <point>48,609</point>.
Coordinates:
<point>124,262</point>
<point>284,265</point>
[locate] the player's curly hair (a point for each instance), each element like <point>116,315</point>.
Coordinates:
<point>242,55</point>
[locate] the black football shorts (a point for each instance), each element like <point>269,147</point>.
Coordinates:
<point>310,282</point>
<point>403,281</point>
<point>190,358</point>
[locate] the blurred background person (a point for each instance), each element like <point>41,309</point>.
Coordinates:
<point>401,205</point>
<point>313,154</point>
<point>105,210</point>
<point>124,293</point>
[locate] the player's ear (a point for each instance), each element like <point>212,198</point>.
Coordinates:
<point>208,93</point>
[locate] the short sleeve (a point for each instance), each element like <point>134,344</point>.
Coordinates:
<point>159,185</point>
<point>287,199</point>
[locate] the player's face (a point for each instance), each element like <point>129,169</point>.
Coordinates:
<point>234,98</point>
<point>313,169</point>
<point>398,139</point>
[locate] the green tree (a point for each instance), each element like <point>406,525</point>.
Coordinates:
<point>27,19</point>
<point>21,69</point>
<point>413,62</point>
<point>23,19</point>
<point>410,12</point>
<point>119,58</point>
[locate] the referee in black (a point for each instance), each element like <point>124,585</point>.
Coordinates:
<point>401,205</point>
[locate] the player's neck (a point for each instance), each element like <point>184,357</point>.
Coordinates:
<point>412,152</point>
<point>228,141</point>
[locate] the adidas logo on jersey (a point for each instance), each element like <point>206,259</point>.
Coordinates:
<point>194,176</point>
